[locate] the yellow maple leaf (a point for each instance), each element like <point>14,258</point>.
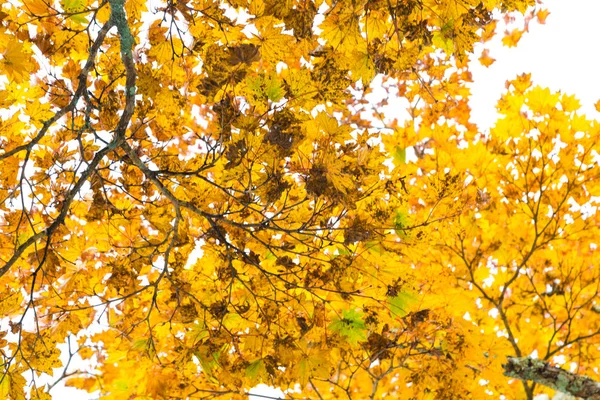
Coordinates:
<point>341,31</point>
<point>16,61</point>
<point>505,128</point>
<point>485,58</point>
<point>362,66</point>
<point>511,38</point>
<point>541,100</point>
<point>274,44</point>
<point>542,15</point>
<point>569,103</point>
<point>489,31</point>
<point>84,383</point>
<point>340,180</point>
<point>5,387</point>
<point>36,7</point>
<point>521,83</point>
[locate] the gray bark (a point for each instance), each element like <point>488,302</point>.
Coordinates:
<point>541,372</point>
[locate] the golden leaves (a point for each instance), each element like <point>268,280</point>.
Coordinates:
<point>341,31</point>
<point>362,66</point>
<point>88,384</point>
<point>521,83</point>
<point>37,7</point>
<point>332,170</point>
<point>274,44</point>
<point>569,103</point>
<point>11,302</point>
<point>42,352</point>
<point>232,218</point>
<point>16,59</point>
<point>376,26</point>
<point>507,128</point>
<point>5,387</point>
<point>12,386</point>
<point>314,364</point>
<point>300,86</point>
<point>502,248</point>
<point>135,8</point>
<point>541,101</point>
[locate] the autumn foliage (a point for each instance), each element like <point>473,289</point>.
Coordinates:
<point>200,196</point>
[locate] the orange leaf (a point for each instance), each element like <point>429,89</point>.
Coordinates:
<point>485,59</point>
<point>542,15</point>
<point>511,39</point>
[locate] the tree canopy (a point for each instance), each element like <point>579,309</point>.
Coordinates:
<point>198,196</point>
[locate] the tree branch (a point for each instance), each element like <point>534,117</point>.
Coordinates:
<point>541,372</point>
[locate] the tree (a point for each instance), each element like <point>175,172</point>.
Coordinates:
<point>192,201</point>
<point>525,249</point>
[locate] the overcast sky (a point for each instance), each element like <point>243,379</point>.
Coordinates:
<point>562,55</point>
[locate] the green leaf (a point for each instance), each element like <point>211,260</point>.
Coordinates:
<point>141,344</point>
<point>440,41</point>
<point>72,5</point>
<point>273,88</point>
<point>122,384</point>
<point>374,247</point>
<point>255,369</point>
<point>232,321</point>
<point>342,251</point>
<point>75,6</point>
<point>263,87</point>
<point>351,326</point>
<point>401,222</point>
<point>400,155</point>
<point>303,369</point>
<point>402,304</point>
<point>198,332</point>
<point>208,364</point>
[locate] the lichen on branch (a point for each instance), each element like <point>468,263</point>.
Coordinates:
<point>541,372</point>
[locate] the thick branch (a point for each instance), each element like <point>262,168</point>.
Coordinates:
<point>119,20</point>
<point>538,371</point>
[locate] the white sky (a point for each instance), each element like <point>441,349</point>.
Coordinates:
<point>562,55</point>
